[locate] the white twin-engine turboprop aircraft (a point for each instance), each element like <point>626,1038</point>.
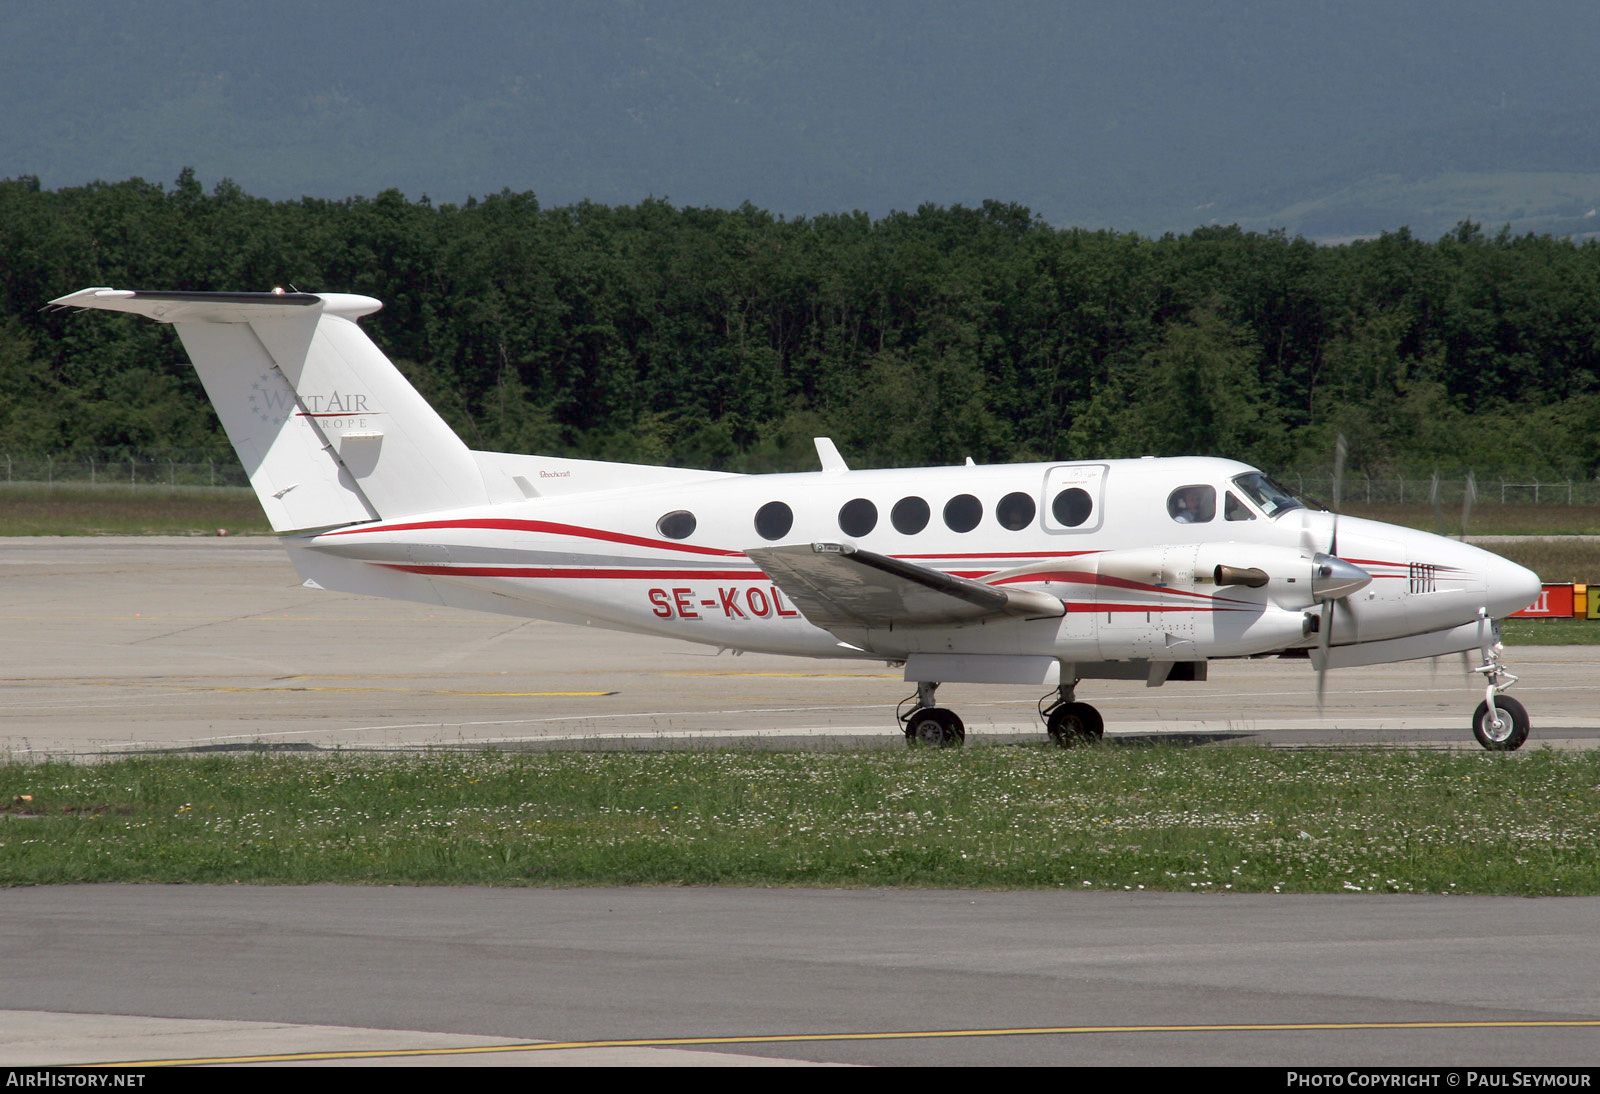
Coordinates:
<point>1031,574</point>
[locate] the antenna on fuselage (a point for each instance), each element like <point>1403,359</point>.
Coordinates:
<point>828,453</point>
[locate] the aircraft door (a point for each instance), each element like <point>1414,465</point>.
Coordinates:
<point>1073,497</point>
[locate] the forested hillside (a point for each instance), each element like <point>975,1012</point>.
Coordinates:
<point>728,338</point>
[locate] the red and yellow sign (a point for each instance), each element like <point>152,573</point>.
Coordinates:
<point>1555,602</point>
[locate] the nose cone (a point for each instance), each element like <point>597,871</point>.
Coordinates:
<point>1508,587</point>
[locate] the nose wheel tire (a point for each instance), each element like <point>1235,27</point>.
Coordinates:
<point>1073,724</point>
<point>1511,731</point>
<point>934,727</point>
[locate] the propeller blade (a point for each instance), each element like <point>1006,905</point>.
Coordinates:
<point>1332,578</point>
<point>1438,503</point>
<point>1470,496</point>
<point>1340,451</point>
<point>1324,638</point>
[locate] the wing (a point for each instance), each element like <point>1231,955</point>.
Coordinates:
<point>838,585</point>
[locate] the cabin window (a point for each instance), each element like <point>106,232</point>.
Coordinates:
<point>858,517</point>
<point>1192,504</point>
<point>962,513</point>
<point>1072,506</point>
<point>678,524</point>
<point>1234,509</point>
<point>773,520</point>
<point>909,516</point>
<point>1015,511</point>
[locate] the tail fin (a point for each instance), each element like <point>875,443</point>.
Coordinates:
<point>327,428</point>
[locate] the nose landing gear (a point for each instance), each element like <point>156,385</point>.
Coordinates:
<point>1500,723</point>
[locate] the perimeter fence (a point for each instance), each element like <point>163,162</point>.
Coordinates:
<point>1485,489</point>
<point>178,468</point>
<point>137,470</point>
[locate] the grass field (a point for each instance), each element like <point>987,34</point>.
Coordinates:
<point>1490,519</point>
<point>1553,560</point>
<point>1551,632</point>
<point>82,509</point>
<point>1164,817</point>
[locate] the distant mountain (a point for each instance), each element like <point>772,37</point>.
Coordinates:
<point>1331,120</point>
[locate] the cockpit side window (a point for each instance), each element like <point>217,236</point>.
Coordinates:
<point>1234,509</point>
<point>1192,504</point>
<point>1272,498</point>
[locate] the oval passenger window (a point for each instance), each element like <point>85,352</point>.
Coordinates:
<point>909,516</point>
<point>858,517</point>
<point>1072,506</point>
<point>1015,511</point>
<point>678,524</point>
<point>962,513</point>
<point>773,520</point>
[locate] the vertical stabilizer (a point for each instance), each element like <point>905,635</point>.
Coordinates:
<point>326,427</point>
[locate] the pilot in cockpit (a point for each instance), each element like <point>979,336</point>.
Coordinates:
<point>1192,504</point>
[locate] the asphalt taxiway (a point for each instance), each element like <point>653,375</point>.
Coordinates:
<point>409,975</point>
<point>128,644</point>
<point>132,645</point>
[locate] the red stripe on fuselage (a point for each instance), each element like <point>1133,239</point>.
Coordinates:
<point>563,572</point>
<point>1401,565</point>
<point>507,525</point>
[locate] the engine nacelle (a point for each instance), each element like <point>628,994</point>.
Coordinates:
<point>1292,580</point>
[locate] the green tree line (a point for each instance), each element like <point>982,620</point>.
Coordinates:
<point>728,338</point>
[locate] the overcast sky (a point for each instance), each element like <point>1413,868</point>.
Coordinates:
<point>1149,116</point>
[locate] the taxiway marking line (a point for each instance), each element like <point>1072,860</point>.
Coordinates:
<point>901,1035</point>
<point>800,675</point>
<point>288,687</point>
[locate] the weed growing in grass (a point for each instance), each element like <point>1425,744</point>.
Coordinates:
<point>1231,819</point>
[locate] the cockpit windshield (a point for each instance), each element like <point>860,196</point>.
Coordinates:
<point>1272,498</point>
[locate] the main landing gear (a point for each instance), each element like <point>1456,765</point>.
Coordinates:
<point>1069,723</point>
<point>928,725</point>
<point>1500,723</point>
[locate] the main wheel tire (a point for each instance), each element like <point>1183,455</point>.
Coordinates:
<point>1075,724</point>
<point>935,727</point>
<point>1513,728</point>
